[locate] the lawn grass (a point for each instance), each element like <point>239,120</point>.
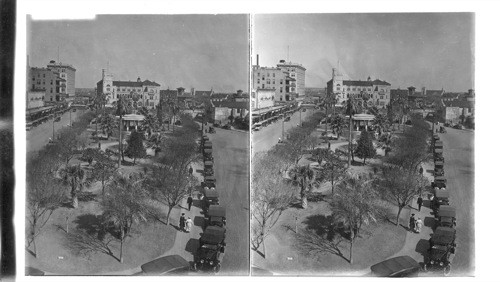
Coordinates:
<point>382,240</point>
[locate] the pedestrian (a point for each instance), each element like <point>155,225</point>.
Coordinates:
<point>329,145</point>
<point>421,170</point>
<point>182,222</point>
<point>411,225</point>
<point>99,145</point>
<point>189,224</point>
<point>191,170</point>
<point>420,201</point>
<point>189,202</point>
<point>375,170</point>
<point>418,225</point>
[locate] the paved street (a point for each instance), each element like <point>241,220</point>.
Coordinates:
<point>231,157</point>
<point>459,170</point>
<point>267,137</point>
<point>39,136</point>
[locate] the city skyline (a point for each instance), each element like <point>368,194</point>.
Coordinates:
<point>405,49</point>
<point>173,50</point>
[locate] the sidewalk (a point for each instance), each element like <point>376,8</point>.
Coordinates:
<point>185,244</point>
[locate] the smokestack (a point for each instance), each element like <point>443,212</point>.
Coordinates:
<point>257,59</point>
<point>103,73</point>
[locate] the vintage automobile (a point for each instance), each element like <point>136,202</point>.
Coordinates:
<point>211,249</point>
<point>446,217</point>
<point>204,138</point>
<point>168,265</point>
<point>207,155</point>
<point>438,168</point>
<point>439,182</point>
<point>441,198</point>
<point>226,126</point>
<point>208,168</point>
<point>442,130</point>
<point>438,144</point>
<point>438,157</point>
<point>256,126</point>
<point>402,266</point>
<point>216,216</point>
<point>287,118</point>
<point>441,250</point>
<point>435,137</point>
<point>438,152</point>
<point>207,145</point>
<point>210,197</point>
<point>211,130</point>
<point>209,181</point>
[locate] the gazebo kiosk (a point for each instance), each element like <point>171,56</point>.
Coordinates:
<point>132,121</point>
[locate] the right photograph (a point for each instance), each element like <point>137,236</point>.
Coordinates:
<point>362,145</point>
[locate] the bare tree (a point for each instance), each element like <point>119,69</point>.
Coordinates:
<point>401,186</point>
<point>103,169</point>
<point>44,196</point>
<point>126,205</point>
<point>334,168</point>
<point>168,185</point>
<point>270,197</point>
<point>354,204</point>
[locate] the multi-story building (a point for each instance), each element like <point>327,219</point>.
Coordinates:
<point>297,74</point>
<point>67,75</point>
<point>286,79</point>
<point>376,92</point>
<point>263,98</point>
<point>143,93</point>
<point>35,98</point>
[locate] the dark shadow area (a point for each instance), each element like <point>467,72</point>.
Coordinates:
<point>196,203</point>
<point>422,247</point>
<point>176,227</point>
<point>426,203</point>
<point>192,245</point>
<point>30,251</point>
<point>327,226</point>
<point>200,171</point>
<point>429,222</point>
<point>199,221</point>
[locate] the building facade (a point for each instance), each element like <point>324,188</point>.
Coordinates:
<point>376,92</point>
<point>35,99</point>
<point>263,98</point>
<point>287,80</point>
<point>143,93</point>
<point>57,82</point>
<point>67,75</point>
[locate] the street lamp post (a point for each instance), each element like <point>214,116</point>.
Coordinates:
<point>70,117</point>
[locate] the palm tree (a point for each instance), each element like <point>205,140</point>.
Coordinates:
<point>123,107</point>
<point>126,205</point>
<point>75,177</point>
<point>108,124</point>
<point>303,176</point>
<point>351,108</point>
<point>150,123</point>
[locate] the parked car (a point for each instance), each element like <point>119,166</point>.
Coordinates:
<point>226,126</point>
<point>439,182</point>
<point>287,118</point>
<point>402,266</point>
<point>216,215</point>
<point>168,265</point>
<point>210,197</point>
<point>57,119</point>
<point>438,168</point>
<point>441,198</point>
<point>446,217</point>
<point>211,249</point>
<point>458,126</point>
<point>441,252</point>
<point>256,126</point>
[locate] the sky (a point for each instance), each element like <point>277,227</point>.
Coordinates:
<point>201,51</point>
<point>432,50</point>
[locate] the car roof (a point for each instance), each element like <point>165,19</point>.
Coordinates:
<point>208,162</point>
<point>164,264</point>
<point>438,162</point>
<point>207,150</point>
<point>443,235</point>
<point>438,142</point>
<point>213,234</point>
<point>209,178</point>
<point>211,193</point>
<point>440,178</point>
<point>440,193</point>
<point>394,265</point>
<point>215,210</point>
<point>438,150</point>
<point>448,211</point>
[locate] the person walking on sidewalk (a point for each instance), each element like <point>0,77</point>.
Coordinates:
<point>411,225</point>
<point>189,202</point>
<point>418,225</point>
<point>189,224</point>
<point>191,170</point>
<point>182,222</point>
<point>421,170</point>
<point>420,201</point>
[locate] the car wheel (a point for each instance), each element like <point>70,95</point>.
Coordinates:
<point>447,270</point>
<point>217,268</point>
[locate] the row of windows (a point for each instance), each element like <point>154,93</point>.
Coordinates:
<point>359,89</point>
<point>268,75</point>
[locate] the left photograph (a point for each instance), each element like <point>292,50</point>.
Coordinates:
<point>138,149</point>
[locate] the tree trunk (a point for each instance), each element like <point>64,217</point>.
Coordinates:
<point>350,145</point>
<point>122,236</point>
<point>102,182</point>
<point>303,196</point>
<point>75,200</point>
<point>120,142</point>
<point>400,208</point>
<point>351,260</point>
<point>364,161</point>
<point>34,246</point>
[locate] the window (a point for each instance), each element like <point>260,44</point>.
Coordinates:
<point>51,82</point>
<point>338,88</point>
<point>268,75</point>
<point>281,89</point>
<point>274,75</point>
<point>281,81</point>
<point>258,81</point>
<point>274,81</point>
<point>258,74</point>
<point>262,85</point>
<point>108,89</point>
<point>50,90</point>
<point>43,75</point>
